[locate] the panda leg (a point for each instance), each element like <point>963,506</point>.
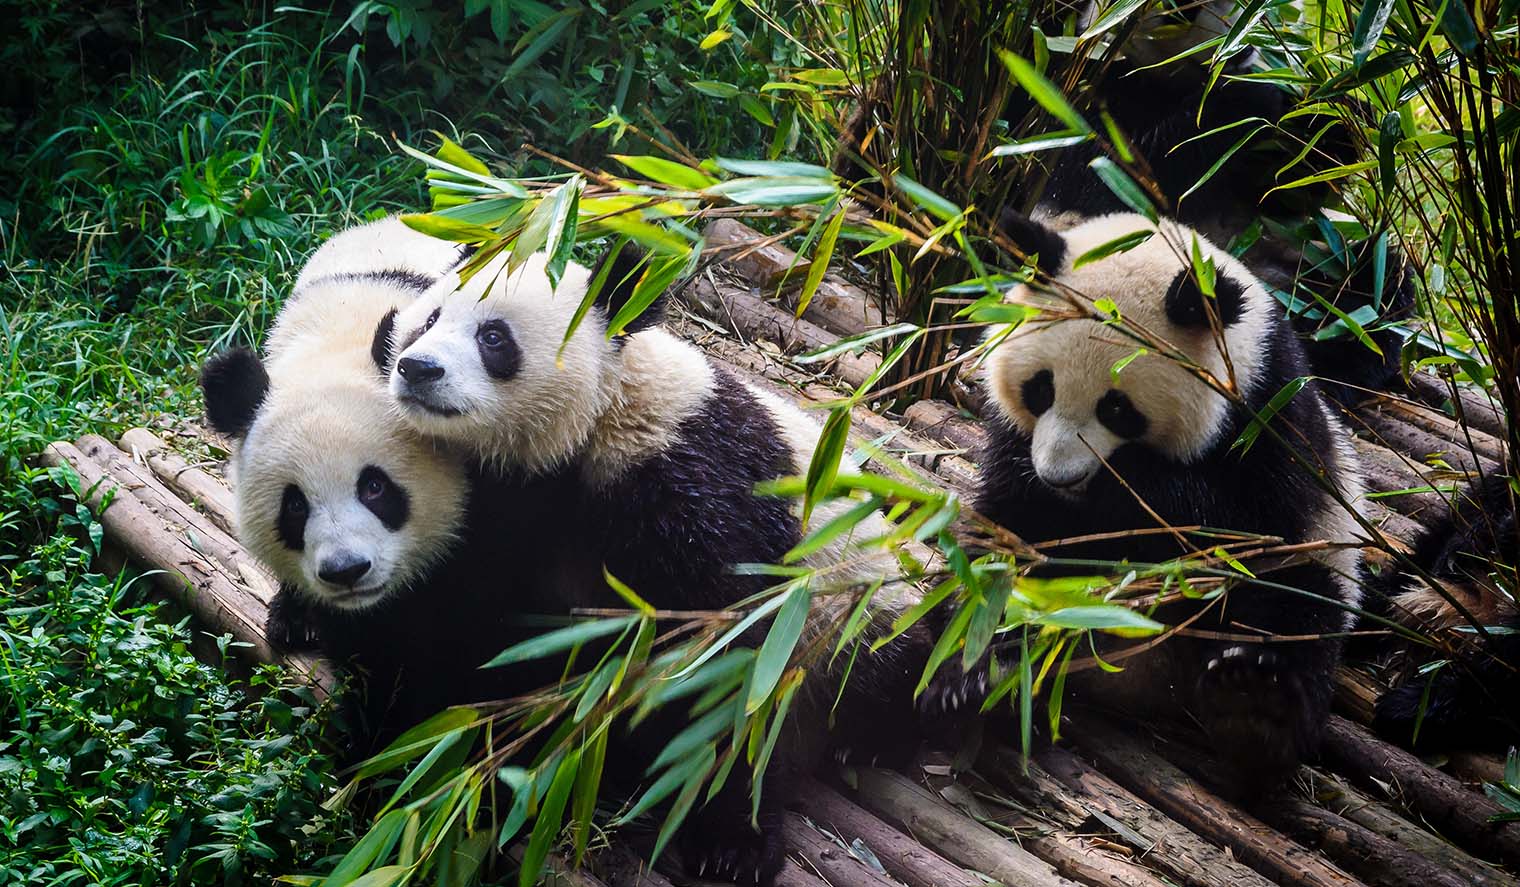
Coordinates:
<point>1264,705</point>
<point>291,625</point>
<point>873,720</point>
<point>1463,704</point>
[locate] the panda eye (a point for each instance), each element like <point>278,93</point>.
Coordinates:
<point>290,525</point>
<point>1118,414</point>
<point>293,502</point>
<point>493,335</point>
<point>1039,392</point>
<point>490,338</point>
<point>432,319</point>
<point>372,487</point>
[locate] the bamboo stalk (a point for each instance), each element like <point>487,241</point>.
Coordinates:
<point>194,485</point>
<point>841,308</point>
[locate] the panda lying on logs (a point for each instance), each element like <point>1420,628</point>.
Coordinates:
<point>1471,552</point>
<point>1092,436</point>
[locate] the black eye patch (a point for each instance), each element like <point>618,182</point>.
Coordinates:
<point>290,526</point>
<point>1185,301</point>
<point>499,353</point>
<point>383,497</point>
<point>1118,414</point>
<point>1039,392</point>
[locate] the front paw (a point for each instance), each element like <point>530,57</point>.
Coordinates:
<point>728,848</point>
<point>954,690</point>
<point>290,626</point>
<point>1257,710</point>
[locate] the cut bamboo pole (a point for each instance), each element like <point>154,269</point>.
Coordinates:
<point>1471,405</point>
<point>831,861</point>
<point>1177,795</point>
<point>839,307</point>
<point>1436,797</point>
<point>904,858</point>
<point>1355,848</point>
<point>194,485</point>
<point>952,833</point>
<point>1166,843</point>
<point>1339,796</point>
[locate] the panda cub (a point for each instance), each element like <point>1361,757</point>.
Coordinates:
<point>370,529</point>
<point>1092,437</point>
<point>638,455</point>
<point>1472,551</point>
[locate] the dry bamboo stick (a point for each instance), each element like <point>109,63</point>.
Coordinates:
<point>1434,796</point>
<point>1177,795</point>
<point>952,833</point>
<point>1340,797</point>
<point>1167,845</point>
<point>904,858</point>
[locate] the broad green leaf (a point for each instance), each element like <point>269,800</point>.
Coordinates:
<point>503,187</point>
<point>561,639</point>
<point>449,152</point>
<point>588,779</point>
<point>1121,244</point>
<point>1388,138</point>
<point>1123,187</point>
<point>757,109</point>
<point>1260,420</point>
<point>1102,617</point>
<point>774,654</point>
<point>821,257</point>
<point>774,168</point>
<point>1458,26</point>
<point>822,76</point>
<point>651,237</point>
<point>775,190</point>
<point>551,813</point>
<point>1044,92</point>
<point>667,172</point>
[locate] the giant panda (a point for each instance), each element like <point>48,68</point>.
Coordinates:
<point>1086,438</point>
<point>653,454</point>
<point>1471,551</point>
<point>372,531</point>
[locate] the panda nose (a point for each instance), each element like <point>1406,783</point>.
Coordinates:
<point>344,570</point>
<point>418,370</point>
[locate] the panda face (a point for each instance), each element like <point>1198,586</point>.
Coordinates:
<point>484,367</point>
<point>1063,381</point>
<point>339,501</point>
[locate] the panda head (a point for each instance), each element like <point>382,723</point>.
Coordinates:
<point>333,495</point>
<point>487,367</point>
<point>1076,387</point>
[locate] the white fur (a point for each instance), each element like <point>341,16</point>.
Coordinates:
<point>1184,413</point>
<point>383,245</point>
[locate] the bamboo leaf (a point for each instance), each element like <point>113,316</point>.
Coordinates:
<point>774,654</point>
<point>1370,23</point>
<point>775,190</point>
<point>1123,187</point>
<point>1044,92</point>
<point>1260,420</point>
<point>563,218</point>
<point>550,818</point>
<point>775,168</point>
<point>1046,142</point>
<point>657,278</point>
<point>588,779</point>
<point>821,257</point>
<point>667,172</point>
<point>561,639</point>
<point>824,466</point>
<point>1121,244</point>
<point>926,198</point>
<point>840,525</point>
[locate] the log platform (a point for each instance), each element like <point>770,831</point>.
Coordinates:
<point>1105,807</point>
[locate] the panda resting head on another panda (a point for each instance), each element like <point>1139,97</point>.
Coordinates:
<point>1099,433</point>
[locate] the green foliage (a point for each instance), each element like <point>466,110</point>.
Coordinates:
<point>126,760</point>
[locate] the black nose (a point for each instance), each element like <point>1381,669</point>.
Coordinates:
<point>419,369</point>
<point>344,571</point>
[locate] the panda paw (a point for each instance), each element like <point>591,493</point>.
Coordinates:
<point>727,848</point>
<point>1255,709</point>
<point>290,627</point>
<point>955,690</point>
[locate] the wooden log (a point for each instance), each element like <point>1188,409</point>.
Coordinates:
<point>1340,797</point>
<point>754,318</point>
<point>618,866</point>
<point>1387,472</point>
<point>831,861</point>
<point>1356,694</point>
<point>1355,848</point>
<point>1166,845</point>
<point>215,594</point>
<point>904,858</point>
<point>1446,428</point>
<point>1080,858</point>
<point>839,307</point>
<point>793,875</point>
<point>942,421</point>
<point>1471,405</point>
<point>1384,424</point>
<point>1475,767</point>
<point>950,832</point>
<point>557,870</point>
<point>1177,795</point>
<point>194,485</point>
<point>1432,795</point>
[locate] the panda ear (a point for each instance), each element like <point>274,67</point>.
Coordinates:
<point>234,383</point>
<point>380,346</point>
<point>1035,239</point>
<point>618,274</point>
<point>1185,301</point>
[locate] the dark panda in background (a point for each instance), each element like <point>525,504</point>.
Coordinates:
<point>1077,445</point>
<point>1472,551</point>
<point>637,454</point>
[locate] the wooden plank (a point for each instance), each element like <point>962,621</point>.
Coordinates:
<point>1434,796</point>
<point>1174,793</point>
<point>1169,846</point>
<point>953,834</point>
<point>904,858</point>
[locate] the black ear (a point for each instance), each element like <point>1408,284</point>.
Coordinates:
<point>1035,239</point>
<point>1185,301</point>
<point>618,272</point>
<point>380,346</point>
<point>234,383</point>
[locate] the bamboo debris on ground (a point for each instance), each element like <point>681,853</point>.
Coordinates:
<point>1434,796</point>
<point>904,858</point>
<point>832,862</point>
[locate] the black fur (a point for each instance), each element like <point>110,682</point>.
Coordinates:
<point>290,524</point>
<point>234,384</point>
<point>1349,366</point>
<point>401,278</point>
<point>383,497</point>
<point>1262,705</point>
<point>498,351</point>
<point>380,346</point>
<point>623,265</point>
<point>1470,702</point>
<point>1187,306</point>
<point>1035,240</point>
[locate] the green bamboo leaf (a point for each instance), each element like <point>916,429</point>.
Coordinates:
<point>743,625</point>
<point>385,876</point>
<point>657,278</point>
<point>1329,175</point>
<point>1458,26</point>
<point>763,760</point>
<point>949,641</point>
<point>684,801</point>
<point>538,40</point>
<point>1045,142</point>
<point>822,76</point>
<point>1122,244</point>
<point>1101,617</point>
<point>563,218</point>
<point>667,172</point>
<point>1388,138</point>
<point>779,642</point>
<point>446,742</point>
<point>695,734</point>
<point>774,169</point>
<point>588,780</point>
<point>926,198</point>
<point>984,622</point>
<point>1260,420</point>
<point>415,741</point>
<point>661,789</point>
<point>821,257</point>
<point>1112,16</point>
<point>824,466</point>
<point>561,639</point>
<point>1123,187</point>
<point>594,290</point>
<point>450,152</point>
<point>550,818</point>
<point>775,190</point>
<point>446,228</point>
<point>855,343</point>
<point>1245,19</point>
<point>376,844</point>
<point>841,524</point>
<point>488,212</point>
<point>1219,162</point>
<point>1044,92</point>
<point>1370,23</point>
<point>503,187</point>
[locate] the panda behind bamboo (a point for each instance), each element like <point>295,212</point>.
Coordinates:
<point>1088,428</point>
<point>653,454</point>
